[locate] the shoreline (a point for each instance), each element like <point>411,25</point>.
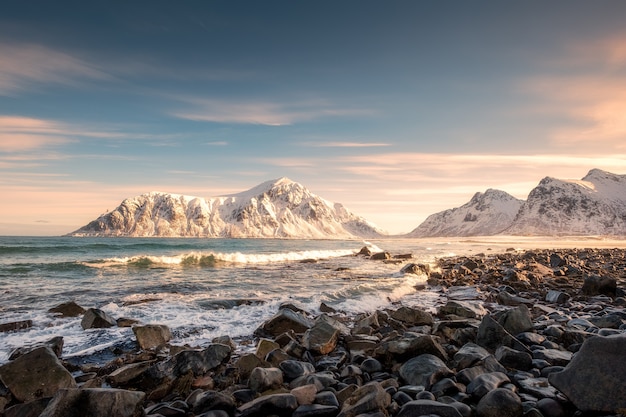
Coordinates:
<point>565,296</point>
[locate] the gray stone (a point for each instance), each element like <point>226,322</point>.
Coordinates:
<point>368,398</point>
<point>293,369</point>
<point>35,375</point>
<point>127,373</point>
<point>151,336</point>
<point>285,320</point>
<point>321,338</point>
<point>500,402</point>
<point>463,309</point>
<point>537,387</point>
<point>515,359</point>
<point>275,404</point>
<point>316,410</point>
<point>409,345</point>
<point>15,325</point>
<point>428,407</point>
<point>485,383</point>
<point>95,402</point>
<point>202,401</point>
<point>412,316</point>
<point>553,356</point>
<point>29,409</point>
<point>56,344</point>
<point>94,318</point>
<point>595,285</point>
<point>469,354</point>
<point>556,297</point>
<point>516,320</point>
<point>263,379</point>
<point>594,380</point>
<point>424,370</point>
<point>69,309</point>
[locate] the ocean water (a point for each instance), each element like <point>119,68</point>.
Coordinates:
<point>203,288</point>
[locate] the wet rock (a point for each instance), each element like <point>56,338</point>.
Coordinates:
<point>485,383</point>
<point>127,373</point>
<point>69,309</point>
<point>428,407</point>
<point>514,359</point>
<point>29,409</point>
<point>465,309</point>
<point>316,410</point>
<point>596,284</point>
<point>35,375</point>
<point>198,362</point>
<point>365,251</point>
<point>305,394</point>
<point>500,403</point>
<point>492,335</point>
<point>56,344</point>
<point>202,401</point>
<point>95,402</point>
<point>553,356</point>
<point>152,335</point>
<point>293,369</point>
<point>424,370</point>
<point>416,269</point>
<point>381,256</point>
<point>594,379</point>
<point>95,318</point>
<point>408,345</point>
<point>516,320</point>
<point>286,320</point>
<point>265,346</point>
<point>275,404</point>
<point>263,379</point>
<point>16,325</point>
<point>412,316</point>
<point>321,338</point>
<point>369,398</point>
<point>469,354</point>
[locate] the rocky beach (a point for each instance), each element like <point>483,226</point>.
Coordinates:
<point>537,333</point>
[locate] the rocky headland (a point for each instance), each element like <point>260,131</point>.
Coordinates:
<point>536,334</point>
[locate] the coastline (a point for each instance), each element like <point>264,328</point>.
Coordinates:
<point>564,297</point>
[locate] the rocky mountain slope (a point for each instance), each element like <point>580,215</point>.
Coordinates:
<point>595,205</point>
<point>485,214</point>
<point>279,208</point>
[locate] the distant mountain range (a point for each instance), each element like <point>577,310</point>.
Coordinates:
<point>275,209</point>
<point>595,205</point>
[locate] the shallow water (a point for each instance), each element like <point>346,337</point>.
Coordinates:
<point>203,288</point>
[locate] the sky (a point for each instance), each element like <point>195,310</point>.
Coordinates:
<point>396,109</point>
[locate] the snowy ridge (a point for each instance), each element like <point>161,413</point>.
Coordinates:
<point>274,209</point>
<point>595,205</point>
<point>485,214</point>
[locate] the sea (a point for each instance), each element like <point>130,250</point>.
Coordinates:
<point>205,288</point>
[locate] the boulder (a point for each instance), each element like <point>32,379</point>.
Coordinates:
<point>15,325</point>
<point>492,335</point>
<point>123,375</point>
<point>596,285</point>
<point>465,309</point>
<point>366,399</point>
<point>37,374</point>
<point>56,344</point>
<point>469,354</point>
<point>556,297</point>
<point>424,370</point>
<point>412,316</point>
<point>96,402</point>
<point>409,345</point>
<point>416,269</point>
<point>202,401</point>
<point>199,362</point>
<point>95,318</point>
<point>69,309</point>
<point>514,359</point>
<point>284,321</point>
<point>595,379</point>
<point>500,402</point>
<point>151,336</point>
<point>485,383</point>
<point>29,409</point>
<point>516,320</point>
<point>381,256</point>
<point>321,338</point>
<point>263,379</point>
<point>293,369</point>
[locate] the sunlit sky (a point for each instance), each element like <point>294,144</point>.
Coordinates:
<point>396,109</point>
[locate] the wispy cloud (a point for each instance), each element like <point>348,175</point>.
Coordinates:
<point>345,144</point>
<point>261,112</point>
<point>23,66</point>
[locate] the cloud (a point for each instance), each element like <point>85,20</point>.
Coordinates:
<point>345,144</point>
<point>261,112</point>
<point>24,66</point>
<point>585,88</point>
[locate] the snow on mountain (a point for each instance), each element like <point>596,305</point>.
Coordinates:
<point>595,205</point>
<point>487,213</point>
<point>280,208</point>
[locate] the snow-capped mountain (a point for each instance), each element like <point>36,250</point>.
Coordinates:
<point>595,205</point>
<point>487,213</point>
<point>279,208</point>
